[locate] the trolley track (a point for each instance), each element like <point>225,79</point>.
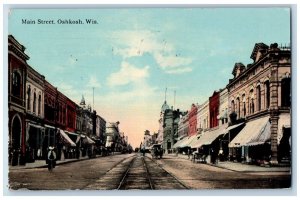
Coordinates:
<point>137,173</point>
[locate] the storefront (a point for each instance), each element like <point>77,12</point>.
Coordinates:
<point>49,139</point>
<point>209,143</point>
<point>64,145</point>
<point>35,135</point>
<point>252,144</point>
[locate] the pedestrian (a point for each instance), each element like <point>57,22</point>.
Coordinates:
<point>51,158</point>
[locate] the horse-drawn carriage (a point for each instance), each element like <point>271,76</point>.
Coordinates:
<point>157,151</point>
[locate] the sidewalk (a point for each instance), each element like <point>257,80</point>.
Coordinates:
<point>234,166</point>
<point>42,163</point>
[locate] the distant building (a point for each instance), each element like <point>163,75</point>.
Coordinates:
<point>112,135</point>
<point>193,120</point>
<point>214,102</point>
<point>160,136</point>
<point>170,128</point>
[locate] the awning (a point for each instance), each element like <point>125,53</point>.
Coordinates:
<point>36,126</point>
<point>188,141</point>
<point>179,138</point>
<point>252,130</point>
<point>261,138</point>
<point>229,128</point>
<point>88,140</point>
<point>176,145</point>
<point>208,137</point>
<point>71,133</point>
<point>64,138</point>
<point>48,126</point>
<point>284,121</point>
<point>195,141</point>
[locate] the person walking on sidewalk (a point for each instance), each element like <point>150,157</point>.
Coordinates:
<point>51,158</point>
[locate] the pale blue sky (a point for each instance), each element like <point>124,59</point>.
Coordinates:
<point>132,55</point>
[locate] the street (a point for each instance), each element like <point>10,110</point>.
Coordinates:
<point>133,171</point>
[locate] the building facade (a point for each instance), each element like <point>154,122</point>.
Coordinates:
<point>214,103</point>
<point>160,136</point>
<point>35,131</point>
<point>193,120</point>
<point>261,94</point>
<point>204,116</point>
<point>112,135</point>
<point>170,128</point>
<point>17,64</point>
<point>50,101</point>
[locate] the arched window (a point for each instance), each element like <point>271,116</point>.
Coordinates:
<point>16,84</point>
<point>251,102</point>
<point>244,105</point>
<point>238,107</point>
<point>258,96</point>
<point>232,106</point>
<point>39,104</point>
<point>28,97</point>
<point>286,92</point>
<point>34,102</point>
<point>267,94</point>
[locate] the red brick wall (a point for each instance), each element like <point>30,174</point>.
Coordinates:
<point>193,120</point>
<point>214,102</point>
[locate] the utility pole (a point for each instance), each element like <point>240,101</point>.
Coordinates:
<point>174,98</point>
<point>166,94</point>
<point>93,98</point>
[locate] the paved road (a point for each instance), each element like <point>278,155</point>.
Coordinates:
<point>131,171</point>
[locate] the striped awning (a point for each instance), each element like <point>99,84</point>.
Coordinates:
<point>88,140</point>
<point>64,139</point>
<point>256,130</point>
<point>187,142</point>
<point>177,144</point>
<point>229,128</point>
<point>208,137</point>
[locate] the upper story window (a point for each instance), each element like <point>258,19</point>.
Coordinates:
<point>34,102</point>
<point>28,97</point>
<point>244,105</point>
<point>267,94</point>
<point>232,106</point>
<point>251,102</point>
<point>286,92</point>
<point>238,107</point>
<point>258,96</point>
<point>16,84</point>
<point>39,104</point>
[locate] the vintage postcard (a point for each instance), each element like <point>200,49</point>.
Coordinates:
<point>149,98</point>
